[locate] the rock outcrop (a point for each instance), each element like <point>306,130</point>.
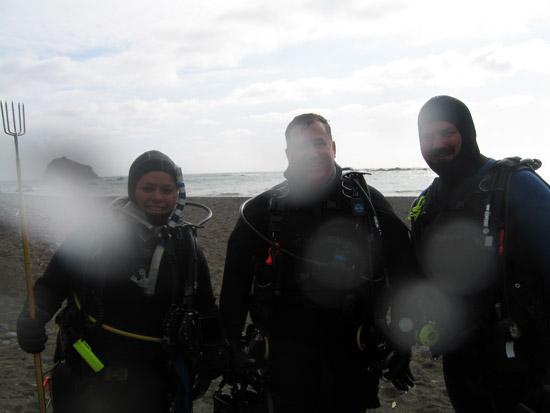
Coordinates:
<point>67,169</point>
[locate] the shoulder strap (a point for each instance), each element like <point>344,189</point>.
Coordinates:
<point>277,209</point>
<point>185,246</point>
<point>497,184</point>
<point>355,187</point>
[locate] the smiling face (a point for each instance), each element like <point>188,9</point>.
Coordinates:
<point>440,142</point>
<point>156,193</point>
<point>311,152</point>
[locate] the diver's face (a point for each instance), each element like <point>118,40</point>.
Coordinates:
<point>440,141</point>
<point>311,152</point>
<point>156,193</point>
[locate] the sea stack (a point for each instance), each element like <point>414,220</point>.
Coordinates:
<point>66,169</point>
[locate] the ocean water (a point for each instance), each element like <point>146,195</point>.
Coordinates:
<point>391,182</point>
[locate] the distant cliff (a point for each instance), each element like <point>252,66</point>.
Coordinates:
<point>67,169</point>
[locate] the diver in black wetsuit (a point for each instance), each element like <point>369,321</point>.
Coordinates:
<point>482,235</point>
<point>310,260</point>
<point>133,272</point>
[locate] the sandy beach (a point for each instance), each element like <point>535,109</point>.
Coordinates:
<point>50,219</point>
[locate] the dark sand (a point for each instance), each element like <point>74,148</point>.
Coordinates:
<point>50,219</point>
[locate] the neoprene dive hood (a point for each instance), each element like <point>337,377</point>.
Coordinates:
<point>449,109</point>
<point>148,162</point>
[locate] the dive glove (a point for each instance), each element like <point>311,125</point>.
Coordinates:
<point>398,370</point>
<point>31,334</point>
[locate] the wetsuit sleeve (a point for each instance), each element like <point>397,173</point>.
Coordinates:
<point>237,280</point>
<point>530,215</point>
<point>400,263</point>
<point>206,303</point>
<point>54,286</point>
<point>242,247</point>
<point>65,268</point>
<point>398,252</point>
<point>529,201</point>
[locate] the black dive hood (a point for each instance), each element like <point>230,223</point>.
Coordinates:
<point>469,160</point>
<point>148,162</point>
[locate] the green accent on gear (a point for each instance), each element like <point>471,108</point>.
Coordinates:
<point>417,209</point>
<point>428,335</point>
<point>88,355</point>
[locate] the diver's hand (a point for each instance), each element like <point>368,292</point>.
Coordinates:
<point>398,370</point>
<point>31,334</point>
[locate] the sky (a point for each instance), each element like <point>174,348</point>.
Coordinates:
<point>214,84</point>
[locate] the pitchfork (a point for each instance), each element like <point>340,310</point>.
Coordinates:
<point>17,129</point>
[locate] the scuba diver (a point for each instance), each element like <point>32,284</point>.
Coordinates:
<point>140,331</point>
<point>482,233</point>
<point>312,261</point>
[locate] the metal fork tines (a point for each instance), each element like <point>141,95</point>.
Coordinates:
<point>17,126</point>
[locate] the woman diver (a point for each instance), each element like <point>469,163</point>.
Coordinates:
<point>140,330</point>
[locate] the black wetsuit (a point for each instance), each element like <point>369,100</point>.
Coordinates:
<point>100,267</point>
<point>491,269</point>
<point>485,369</point>
<point>315,364</point>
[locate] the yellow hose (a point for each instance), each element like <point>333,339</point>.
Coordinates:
<point>360,345</point>
<point>266,348</point>
<point>118,331</point>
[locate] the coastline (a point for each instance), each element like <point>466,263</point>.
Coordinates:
<point>50,219</point>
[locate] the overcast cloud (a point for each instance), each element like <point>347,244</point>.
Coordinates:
<point>213,84</point>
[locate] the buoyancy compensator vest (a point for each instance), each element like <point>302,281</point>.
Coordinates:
<point>321,256</point>
<point>117,291</point>
<point>463,244</point>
